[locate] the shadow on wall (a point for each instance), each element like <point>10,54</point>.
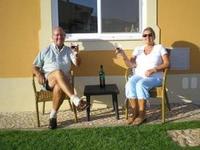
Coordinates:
<point>96,54</point>
<point>178,94</point>
<point>194,52</point>
<point>183,84</point>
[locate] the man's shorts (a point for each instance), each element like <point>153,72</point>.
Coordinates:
<point>47,87</point>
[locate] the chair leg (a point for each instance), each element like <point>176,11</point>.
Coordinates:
<point>75,112</point>
<point>43,109</point>
<point>70,105</point>
<point>167,100</point>
<point>37,114</point>
<point>163,109</point>
<point>126,108</point>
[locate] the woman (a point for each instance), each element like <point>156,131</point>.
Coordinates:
<point>149,61</point>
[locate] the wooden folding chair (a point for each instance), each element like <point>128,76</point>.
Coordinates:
<point>44,96</point>
<point>157,92</point>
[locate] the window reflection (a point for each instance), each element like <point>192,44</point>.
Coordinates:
<point>117,16</point>
<point>78,16</point>
<point>120,16</point>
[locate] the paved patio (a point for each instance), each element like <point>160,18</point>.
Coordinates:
<point>104,117</point>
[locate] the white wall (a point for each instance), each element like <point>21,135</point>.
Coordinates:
<point>16,94</point>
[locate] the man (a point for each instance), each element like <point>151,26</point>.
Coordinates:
<point>52,66</point>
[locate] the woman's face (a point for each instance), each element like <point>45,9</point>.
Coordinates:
<point>148,37</point>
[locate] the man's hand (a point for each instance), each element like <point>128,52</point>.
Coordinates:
<point>75,54</point>
<point>40,75</point>
<point>75,49</point>
<point>41,78</point>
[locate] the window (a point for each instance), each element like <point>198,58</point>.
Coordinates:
<point>99,19</point>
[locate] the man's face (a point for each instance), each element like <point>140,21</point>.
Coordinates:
<point>58,37</point>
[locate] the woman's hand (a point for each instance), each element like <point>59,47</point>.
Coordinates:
<point>149,72</point>
<point>120,51</point>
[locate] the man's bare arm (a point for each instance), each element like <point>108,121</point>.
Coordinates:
<point>39,74</point>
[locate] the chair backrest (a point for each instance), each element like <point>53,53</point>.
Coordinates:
<point>165,71</point>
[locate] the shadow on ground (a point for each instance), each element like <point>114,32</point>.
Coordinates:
<point>98,117</point>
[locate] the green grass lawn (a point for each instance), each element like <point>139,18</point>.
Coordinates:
<point>149,137</point>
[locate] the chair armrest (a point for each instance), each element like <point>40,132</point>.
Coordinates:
<point>128,73</point>
<point>72,78</point>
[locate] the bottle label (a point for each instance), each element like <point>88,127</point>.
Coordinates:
<point>102,80</point>
<point>101,77</point>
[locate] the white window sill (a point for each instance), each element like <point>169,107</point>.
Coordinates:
<point>97,37</point>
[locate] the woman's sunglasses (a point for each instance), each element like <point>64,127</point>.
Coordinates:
<point>149,35</point>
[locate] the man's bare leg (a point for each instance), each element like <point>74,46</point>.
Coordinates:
<point>58,97</point>
<point>57,77</point>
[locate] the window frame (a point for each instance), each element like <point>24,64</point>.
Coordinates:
<point>99,35</point>
<point>47,24</point>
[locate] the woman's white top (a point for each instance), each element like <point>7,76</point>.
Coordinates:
<point>145,62</point>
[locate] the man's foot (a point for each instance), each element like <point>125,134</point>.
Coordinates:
<point>82,105</point>
<point>52,123</point>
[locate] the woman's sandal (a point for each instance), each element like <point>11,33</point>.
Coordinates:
<point>131,119</point>
<point>138,121</point>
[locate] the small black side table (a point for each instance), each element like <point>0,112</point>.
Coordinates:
<point>110,89</point>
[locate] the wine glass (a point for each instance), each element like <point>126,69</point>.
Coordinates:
<point>118,48</point>
<point>74,47</point>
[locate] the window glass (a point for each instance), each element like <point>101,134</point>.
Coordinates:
<point>120,15</point>
<point>78,16</point>
<point>100,19</point>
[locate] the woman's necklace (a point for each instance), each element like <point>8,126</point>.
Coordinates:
<point>148,49</point>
